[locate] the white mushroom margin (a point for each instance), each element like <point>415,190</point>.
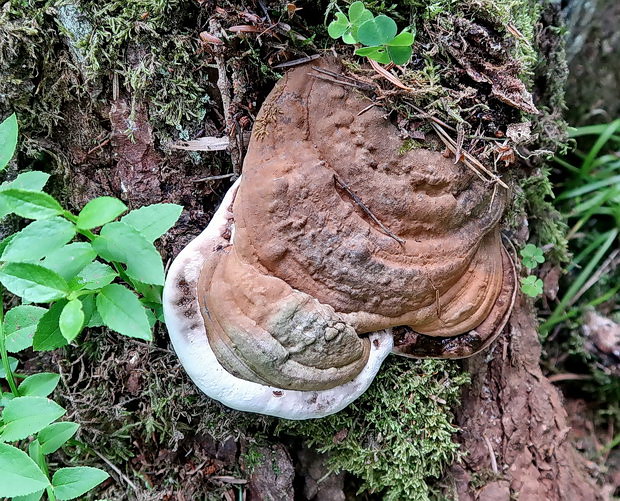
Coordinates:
<point>190,342</point>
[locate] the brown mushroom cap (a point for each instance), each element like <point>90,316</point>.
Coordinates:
<point>337,233</point>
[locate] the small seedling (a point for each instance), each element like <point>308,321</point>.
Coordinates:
<point>69,276</point>
<point>377,34</point>
<point>532,286</point>
<point>531,256</point>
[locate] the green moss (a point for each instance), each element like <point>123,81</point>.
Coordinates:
<point>548,228</point>
<point>398,437</point>
<point>152,48</point>
<point>408,145</point>
<point>252,458</point>
<point>37,74</point>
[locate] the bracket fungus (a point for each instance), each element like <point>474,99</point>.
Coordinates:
<point>331,251</point>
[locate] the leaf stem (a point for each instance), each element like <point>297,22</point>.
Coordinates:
<point>42,462</point>
<point>3,353</point>
<point>91,236</point>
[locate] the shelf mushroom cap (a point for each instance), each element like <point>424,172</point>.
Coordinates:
<point>333,246</point>
<point>187,333</point>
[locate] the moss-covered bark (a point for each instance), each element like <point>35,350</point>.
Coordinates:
<point>101,88</point>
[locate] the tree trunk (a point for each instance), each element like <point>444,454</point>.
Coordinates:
<point>513,427</point>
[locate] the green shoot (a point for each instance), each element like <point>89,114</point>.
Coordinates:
<point>70,272</point>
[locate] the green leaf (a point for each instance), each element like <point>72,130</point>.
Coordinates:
<point>100,211</point>
<point>13,363</point>
<point>377,31</point>
<point>70,483</point>
<point>6,242</point>
<point>20,324</point>
<point>52,437</point>
<point>154,220</point>
<point>151,293</point>
<point>34,451</point>
<point>355,10</point>
<point>94,276</point>
<point>88,306</point>
<point>24,416</point>
<point>122,312</point>
<point>8,140</point>
<point>95,320</point>
<point>531,256</point>
<point>399,55</point>
<point>375,53</point>
<point>403,39</point>
<point>532,286</point>
<point>19,475</point>
<point>35,496</point>
<point>348,37</point>
<point>71,319</point>
<point>69,260</point>
<point>31,204</point>
<point>337,27</point>
<point>120,242</point>
<point>33,282</point>
<point>39,385</point>
<point>359,14</point>
<point>48,336</point>
<point>38,239</point>
<point>33,180</point>
<point>5,397</point>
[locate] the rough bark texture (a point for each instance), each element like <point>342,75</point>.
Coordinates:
<point>272,480</point>
<point>514,426</point>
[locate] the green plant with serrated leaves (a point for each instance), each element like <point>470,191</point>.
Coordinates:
<point>378,35</point>
<point>96,268</point>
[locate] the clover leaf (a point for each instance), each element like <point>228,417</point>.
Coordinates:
<point>377,34</point>
<point>531,256</point>
<point>339,26</point>
<point>347,27</point>
<point>397,50</point>
<point>358,15</point>
<point>377,31</point>
<point>532,286</point>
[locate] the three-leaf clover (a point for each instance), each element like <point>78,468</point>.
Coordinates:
<point>532,286</point>
<point>377,34</point>
<point>531,256</point>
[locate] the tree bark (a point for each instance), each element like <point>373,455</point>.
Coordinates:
<point>514,426</point>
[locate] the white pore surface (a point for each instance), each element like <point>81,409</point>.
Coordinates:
<point>190,342</point>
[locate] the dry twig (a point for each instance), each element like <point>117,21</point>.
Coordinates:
<point>366,210</point>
